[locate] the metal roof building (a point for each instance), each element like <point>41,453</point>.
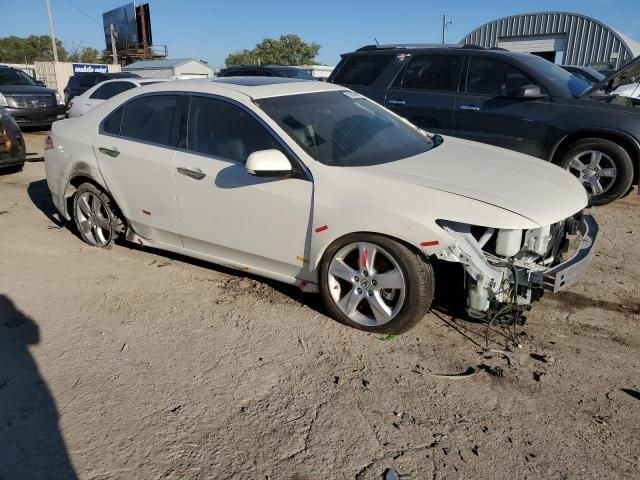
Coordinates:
<point>560,37</point>
<point>168,68</point>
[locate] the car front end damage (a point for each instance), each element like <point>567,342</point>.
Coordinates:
<point>506,270</point>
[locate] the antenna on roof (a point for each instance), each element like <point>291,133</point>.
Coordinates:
<point>377,42</point>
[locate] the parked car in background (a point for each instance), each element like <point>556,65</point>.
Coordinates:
<point>588,74</point>
<point>29,102</point>
<point>81,82</point>
<point>265,71</point>
<point>232,171</point>
<point>12,148</point>
<point>508,99</point>
<point>104,91</point>
<point>629,88</point>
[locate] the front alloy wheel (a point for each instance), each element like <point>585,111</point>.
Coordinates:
<point>376,284</point>
<point>603,167</point>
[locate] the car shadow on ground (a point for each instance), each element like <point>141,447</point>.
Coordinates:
<point>40,196</point>
<point>31,445</point>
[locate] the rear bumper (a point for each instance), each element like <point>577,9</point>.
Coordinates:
<point>37,117</point>
<point>571,270</point>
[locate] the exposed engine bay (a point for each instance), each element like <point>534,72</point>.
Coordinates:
<point>506,270</point>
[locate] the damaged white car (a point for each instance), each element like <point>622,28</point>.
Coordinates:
<point>314,185</point>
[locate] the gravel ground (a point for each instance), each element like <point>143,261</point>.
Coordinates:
<point>130,363</point>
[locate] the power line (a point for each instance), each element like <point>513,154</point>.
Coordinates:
<point>85,13</point>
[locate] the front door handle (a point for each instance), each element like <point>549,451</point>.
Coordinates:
<point>192,172</point>
<point>396,102</point>
<point>470,108</point>
<point>111,152</point>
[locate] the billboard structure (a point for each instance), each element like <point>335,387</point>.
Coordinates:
<point>130,27</point>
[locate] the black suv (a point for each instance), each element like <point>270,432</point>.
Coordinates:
<point>512,100</point>
<point>29,102</point>
<point>81,82</point>
<point>266,71</point>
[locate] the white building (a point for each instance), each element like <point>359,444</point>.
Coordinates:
<point>321,72</point>
<point>180,68</point>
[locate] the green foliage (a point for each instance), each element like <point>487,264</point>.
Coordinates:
<point>29,49</point>
<point>287,50</point>
<point>84,55</point>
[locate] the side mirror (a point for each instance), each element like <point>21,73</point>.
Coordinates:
<point>41,84</point>
<point>268,163</point>
<point>530,91</point>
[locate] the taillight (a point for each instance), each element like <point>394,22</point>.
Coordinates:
<point>48,143</point>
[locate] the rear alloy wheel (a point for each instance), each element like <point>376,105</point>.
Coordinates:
<point>373,283</point>
<point>603,167</point>
<point>94,216</point>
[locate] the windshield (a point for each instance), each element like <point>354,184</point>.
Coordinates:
<point>572,84</point>
<point>343,128</point>
<point>10,76</point>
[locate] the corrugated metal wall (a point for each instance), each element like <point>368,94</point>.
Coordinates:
<point>588,41</point>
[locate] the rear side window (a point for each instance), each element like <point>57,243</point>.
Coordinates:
<point>433,72</point>
<point>150,119</point>
<point>223,130</point>
<point>111,89</point>
<point>362,70</point>
<point>111,125</point>
<point>494,78</point>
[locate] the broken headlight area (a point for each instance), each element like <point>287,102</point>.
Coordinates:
<point>505,268</point>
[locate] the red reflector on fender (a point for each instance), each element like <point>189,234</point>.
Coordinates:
<point>48,143</point>
<point>146,212</point>
<point>322,228</point>
<point>430,243</point>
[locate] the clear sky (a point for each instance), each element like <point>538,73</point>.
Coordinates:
<point>210,29</point>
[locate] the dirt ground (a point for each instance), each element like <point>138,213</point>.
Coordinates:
<point>129,363</point>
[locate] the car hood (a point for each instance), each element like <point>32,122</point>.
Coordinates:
<point>617,78</point>
<point>35,89</point>
<point>532,188</point>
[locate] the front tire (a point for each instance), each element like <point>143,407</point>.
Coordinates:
<point>94,216</point>
<point>373,283</point>
<point>603,167</point>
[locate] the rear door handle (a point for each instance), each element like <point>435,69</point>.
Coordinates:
<point>111,152</point>
<point>192,172</point>
<point>471,108</point>
<point>396,102</point>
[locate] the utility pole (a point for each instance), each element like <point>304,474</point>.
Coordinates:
<point>114,51</point>
<point>54,46</point>
<point>445,24</point>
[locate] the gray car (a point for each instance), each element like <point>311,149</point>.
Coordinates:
<point>511,100</point>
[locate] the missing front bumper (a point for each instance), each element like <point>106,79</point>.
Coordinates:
<point>571,270</point>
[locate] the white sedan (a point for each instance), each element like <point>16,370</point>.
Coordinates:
<point>103,91</point>
<point>314,185</point>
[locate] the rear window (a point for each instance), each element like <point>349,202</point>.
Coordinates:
<point>362,70</point>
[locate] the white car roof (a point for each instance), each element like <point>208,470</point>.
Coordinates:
<point>252,87</point>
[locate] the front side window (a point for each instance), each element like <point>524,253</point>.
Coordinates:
<point>150,119</point>
<point>440,73</point>
<point>223,130</point>
<point>362,70</point>
<point>345,129</point>
<point>496,79</point>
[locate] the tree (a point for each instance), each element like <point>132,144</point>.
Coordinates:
<point>287,50</point>
<point>29,49</point>
<point>89,55</point>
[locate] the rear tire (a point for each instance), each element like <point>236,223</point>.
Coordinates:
<point>94,216</point>
<point>356,296</point>
<point>603,167</point>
